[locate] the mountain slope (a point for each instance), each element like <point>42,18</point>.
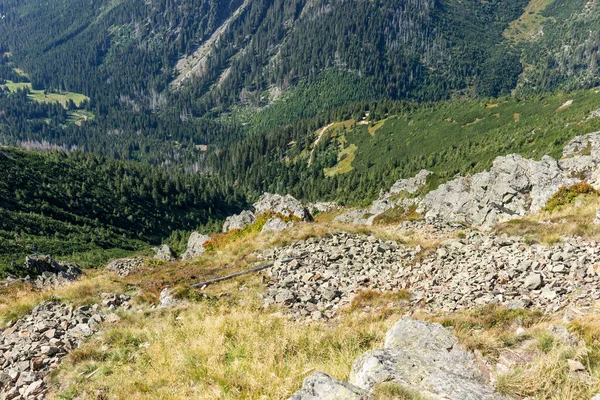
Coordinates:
<point>69,204</point>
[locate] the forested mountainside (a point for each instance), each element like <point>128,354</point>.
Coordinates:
<point>357,151</point>
<point>179,61</point>
<point>78,205</point>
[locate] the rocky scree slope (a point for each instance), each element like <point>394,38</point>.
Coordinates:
<point>33,346</point>
<point>477,270</point>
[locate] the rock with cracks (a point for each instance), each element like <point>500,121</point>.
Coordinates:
<point>195,247</point>
<point>239,221</point>
<point>426,358</point>
<point>320,386</point>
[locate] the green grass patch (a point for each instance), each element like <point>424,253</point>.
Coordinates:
<point>51,97</point>
<point>344,165</point>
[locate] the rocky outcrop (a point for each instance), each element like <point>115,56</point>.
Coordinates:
<point>322,207</point>
<point>286,205</point>
<point>581,158</point>
<point>276,224</point>
<point>320,386</point>
<point>125,266</point>
<point>411,185</point>
<point>239,221</point>
<point>421,356</point>
<point>164,253</point>
<point>195,247</point>
<point>33,346</point>
<point>44,271</point>
<point>426,358</point>
<point>401,194</point>
<point>513,187</point>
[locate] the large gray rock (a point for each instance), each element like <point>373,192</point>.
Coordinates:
<point>284,205</point>
<point>195,247</point>
<point>426,358</point>
<point>320,386</point>
<point>411,185</point>
<point>239,221</point>
<point>581,158</point>
<point>276,225</point>
<point>164,253</point>
<point>513,187</point>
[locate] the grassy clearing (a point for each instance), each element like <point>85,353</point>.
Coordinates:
<point>221,343</point>
<point>527,27</point>
<point>41,97</point>
<point>344,165</point>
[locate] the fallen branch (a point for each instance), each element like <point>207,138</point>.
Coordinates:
<point>203,285</point>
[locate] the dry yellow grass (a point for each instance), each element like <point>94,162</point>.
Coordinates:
<point>221,348</point>
<point>550,227</point>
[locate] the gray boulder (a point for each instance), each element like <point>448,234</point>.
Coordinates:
<point>164,253</point>
<point>581,158</point>
<point>322,207</point>
<point>284,205</point>
<point>426,358</point>
<point>320,386</point>
<point>195,247</point>
<point>276,225</point>
<point>513,187</point>
<point>239,221</point>
<point>411,185</point>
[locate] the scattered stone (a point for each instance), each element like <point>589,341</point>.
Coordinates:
<point>477,270</point>
<point>164,253</point>
<point>125,266</point>
<point>166,299</point>
<point>239,221</point>
<point>195,247</point>
<point>575,366</point>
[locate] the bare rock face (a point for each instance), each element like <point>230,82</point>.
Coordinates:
<point>164,253</point>
<point>581,158</point>
<point>425,357</point>
<point>320,386</point>
<point>411,185</point>
<point>239,221</point>
<point>322,207</point>
<point>284,205</point>
<point>513,187</point>
<point>195,246</point>
<point>388,200</point>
